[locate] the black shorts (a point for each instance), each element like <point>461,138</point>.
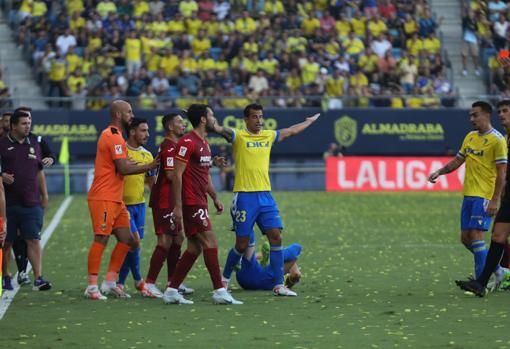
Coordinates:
<point>27,221</point>
<point>503,215</point>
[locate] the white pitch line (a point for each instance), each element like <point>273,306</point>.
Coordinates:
<point>8,296</point>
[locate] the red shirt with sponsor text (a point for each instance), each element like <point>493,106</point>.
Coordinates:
<point>195,152</point>
<point>161,193</point>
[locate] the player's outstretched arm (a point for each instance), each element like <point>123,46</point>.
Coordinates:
<point>127,167</point>
<point>449,167</point>
<point>214,196</point>
<point>179,168</point>
<point>225,132</point>
<point>297,128</point>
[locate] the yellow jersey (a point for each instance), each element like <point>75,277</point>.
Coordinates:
<point>134,185</point>
<point>482,152</point>
<point>251,156</point>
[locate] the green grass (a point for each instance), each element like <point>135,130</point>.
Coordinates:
<point>378,272</point>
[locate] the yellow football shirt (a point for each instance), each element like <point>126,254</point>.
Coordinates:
<point>134,185</point>
<point>251,156</point>
<point>482,152</point>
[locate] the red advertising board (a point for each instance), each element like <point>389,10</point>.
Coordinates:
<point>359,173</point>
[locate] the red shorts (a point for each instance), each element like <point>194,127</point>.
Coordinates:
<point>196,220</point>
<point>108,215</point>
<point>164,223</point>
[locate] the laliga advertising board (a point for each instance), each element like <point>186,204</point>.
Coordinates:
<point>389,174</point>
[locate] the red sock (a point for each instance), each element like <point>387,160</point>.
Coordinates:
<point>505,261</point>
<point>182,269</point>
<point>156,263</point>
<point>213,266</point>
<point>172,258</point>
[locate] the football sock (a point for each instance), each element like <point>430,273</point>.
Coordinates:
<point>124,270</point>
<point>135,264</point>
<point>173,255</point>
<point>480,254</point>
<point>182,269</point>
<point>117,258</point>
<point>156,263</point>
<point>233,258</point>
<point>493,258</point>
<point>276,263</point>
<point>94,261</point>
<point>213,266</point>
<point>19,246</point>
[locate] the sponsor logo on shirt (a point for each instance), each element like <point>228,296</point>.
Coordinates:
<point>170,162</point>
<point>118,149</point>
<point>257,144</point>
<point>182,151</point>
<point>205,161</point>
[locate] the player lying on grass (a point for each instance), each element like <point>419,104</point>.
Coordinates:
<point>255,275</point>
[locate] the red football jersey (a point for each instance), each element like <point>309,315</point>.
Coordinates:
<point>195,152</point>
<point>161,193</point>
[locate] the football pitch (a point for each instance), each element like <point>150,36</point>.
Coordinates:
<point>378,272</point>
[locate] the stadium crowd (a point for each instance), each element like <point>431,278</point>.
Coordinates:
<point>280,53</point>
<point>487,22</point>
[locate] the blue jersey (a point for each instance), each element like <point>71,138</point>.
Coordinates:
<point>253,276</point>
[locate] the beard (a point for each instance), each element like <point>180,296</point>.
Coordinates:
<point>125,125</point>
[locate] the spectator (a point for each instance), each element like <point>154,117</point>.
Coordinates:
<point>333,150</point>
<point>381,45</point>
<point>500,32</point>
<point>259,82</point>
<point>160,83</point>
<point>470,42</point>
<point>65,41</point>
<point>222,9</point>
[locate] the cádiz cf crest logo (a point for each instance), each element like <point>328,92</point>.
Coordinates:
<point>346,131</point>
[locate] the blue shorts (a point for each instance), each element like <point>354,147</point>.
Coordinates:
<point>258,207</point>
<point>253,276</point>
<point>27,221</point>
<point>137,218</point>
<point>473,214</point>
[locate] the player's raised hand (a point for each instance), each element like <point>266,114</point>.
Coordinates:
<point>219,206</point>
<point>219,161</point>
<point>433,177</point>
<point>313,118</point>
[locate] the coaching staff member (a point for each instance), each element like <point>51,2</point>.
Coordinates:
<point>26,196</point>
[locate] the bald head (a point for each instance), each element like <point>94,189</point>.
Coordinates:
<point>121,113</point>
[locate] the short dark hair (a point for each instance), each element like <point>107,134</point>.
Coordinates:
<point>7,113</point>
<point>486,107</point>
<point>136,122</point>
<point>195,112</point>
<point>23,108</point>
<point>503,102</point>
<point>18,114</point>
<point>252,106</point>
<point>168,119</point>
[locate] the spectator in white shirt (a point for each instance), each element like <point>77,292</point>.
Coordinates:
<point>500,31</point>
<point>381,45</point>
<point>222,8</point>
<point>65,41</point>
<point>258,82</point>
